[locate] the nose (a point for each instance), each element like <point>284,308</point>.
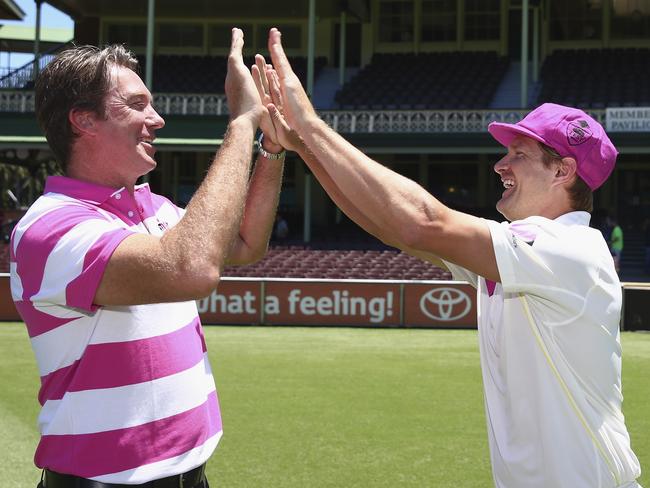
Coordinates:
<point>501,164</point>
<point>154,120</point>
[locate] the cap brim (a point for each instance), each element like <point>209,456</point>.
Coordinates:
<point>505,133</point>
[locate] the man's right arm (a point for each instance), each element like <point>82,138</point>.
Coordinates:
<point>187,261</point>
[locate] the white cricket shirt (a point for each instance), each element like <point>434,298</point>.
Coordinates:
<point>551,357</point>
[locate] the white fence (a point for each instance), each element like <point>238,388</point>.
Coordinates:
<point>358,121</point>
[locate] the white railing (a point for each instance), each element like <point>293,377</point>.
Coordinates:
<point>344,121</point>
<point>17,78</point>
<point>190,104</point>
<point>16,101</point>
<point>413,121</point>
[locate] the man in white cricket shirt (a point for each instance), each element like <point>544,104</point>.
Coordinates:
<point>549,296</point>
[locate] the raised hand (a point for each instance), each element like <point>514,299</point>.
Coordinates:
<point>297,107</point>
<point>243,99</point>
<point>286,136</point>
<point>259,72</point>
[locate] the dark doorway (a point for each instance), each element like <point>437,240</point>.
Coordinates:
<point>352,44</point>
<point>514,34</point>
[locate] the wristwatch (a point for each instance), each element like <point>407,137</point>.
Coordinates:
<point>265,153</point>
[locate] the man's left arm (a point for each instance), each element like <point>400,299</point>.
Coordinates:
<point>259,212</point>
<point>395,205</point>
<point>264,186</point>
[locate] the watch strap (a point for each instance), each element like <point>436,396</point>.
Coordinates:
<point>265,153</point>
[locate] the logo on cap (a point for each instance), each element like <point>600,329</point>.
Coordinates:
<point>578,132</point>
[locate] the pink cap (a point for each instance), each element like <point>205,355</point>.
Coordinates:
<point>572,133</point>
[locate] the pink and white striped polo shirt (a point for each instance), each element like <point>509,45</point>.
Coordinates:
<point>127,392</point>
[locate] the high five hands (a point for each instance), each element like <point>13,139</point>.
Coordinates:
<point>287,106</point>
<point>272,97</point>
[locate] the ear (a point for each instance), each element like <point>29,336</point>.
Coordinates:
<point>565,171</point>
<point>82,121</point>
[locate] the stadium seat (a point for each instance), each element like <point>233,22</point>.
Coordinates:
<point>424,81</point>
<point>596,78</point>
<point>344,264</point>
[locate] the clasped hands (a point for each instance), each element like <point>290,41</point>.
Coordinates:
<point>271,95</point>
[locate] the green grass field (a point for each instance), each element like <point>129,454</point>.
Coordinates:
<point>328,407</point>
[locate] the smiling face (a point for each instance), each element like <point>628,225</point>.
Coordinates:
<point>127,133</point>
<point>529,184</point>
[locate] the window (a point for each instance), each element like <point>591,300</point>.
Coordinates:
<point>181,35</point>
<point>455,184</point>
<point>396,21</point>
<point>482,20</point>
<point>438,20</point>
<point>291,35</point>
<point>186,164</point>
<point>576,19</point>
<point>221,34</point>
<point>132,35</point>
<point>410,170</point>
<point>630,19</point>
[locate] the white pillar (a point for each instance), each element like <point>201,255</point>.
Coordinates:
<point>607,23</point>
<point>150,31</point>
<point>37,39</point>
<point>311,43</point>
<point>524,54</point>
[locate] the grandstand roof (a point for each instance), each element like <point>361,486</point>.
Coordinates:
<point>10,10</point>
<point>206,8</point>
<point>20,38</point>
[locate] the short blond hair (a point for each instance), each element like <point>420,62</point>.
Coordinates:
<point>582,197</point>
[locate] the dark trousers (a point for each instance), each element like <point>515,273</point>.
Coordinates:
<point>204,484</point>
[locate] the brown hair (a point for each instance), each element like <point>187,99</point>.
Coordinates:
<point>78,78</point>
<point>581,196</point>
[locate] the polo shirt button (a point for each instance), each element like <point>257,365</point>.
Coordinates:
<point>130,213</point>
<point>118,196</point>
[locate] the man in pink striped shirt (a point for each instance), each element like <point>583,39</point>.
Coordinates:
<point>105,274</point>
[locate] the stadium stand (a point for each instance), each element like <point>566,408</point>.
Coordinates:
<point>460,81</point>
<point>4,257</point>
<point>296,261</point>
<point>426,80</point>
<point>205,74</point>
<point>596,78</point>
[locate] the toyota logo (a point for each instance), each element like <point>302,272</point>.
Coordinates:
<point>445,304</point>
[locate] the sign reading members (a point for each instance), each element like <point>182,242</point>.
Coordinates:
<point>628,119</point>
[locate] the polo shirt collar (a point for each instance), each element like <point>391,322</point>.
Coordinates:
<point>575,218</point>
<point>89,192</point>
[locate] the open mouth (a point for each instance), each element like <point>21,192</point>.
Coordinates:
<point>508,183</point>
<point>147,143</point>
